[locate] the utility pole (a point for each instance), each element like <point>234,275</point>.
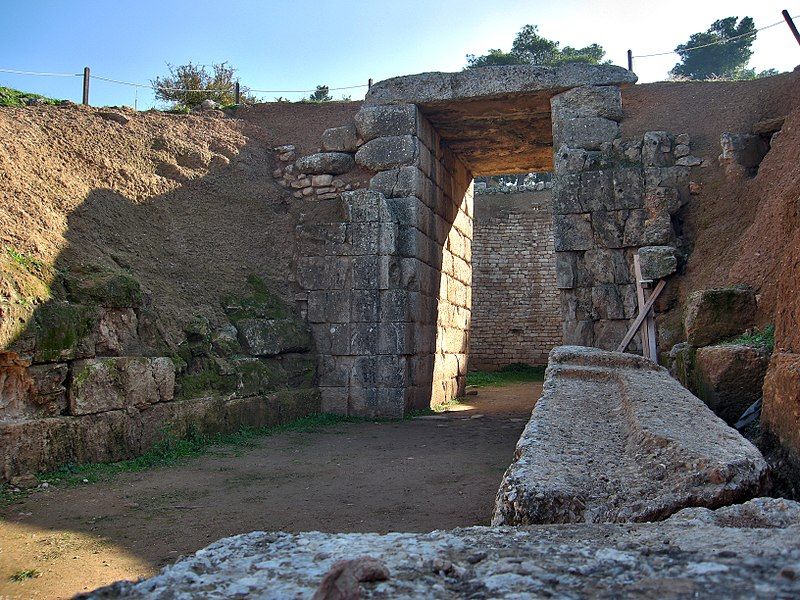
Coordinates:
<point>86,77</point>
<point>630,60</point>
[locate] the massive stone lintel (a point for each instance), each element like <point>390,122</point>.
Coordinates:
<point>615,439</point>
<point>493,82</point>
<point>747,551</point>
<point>497,119</point>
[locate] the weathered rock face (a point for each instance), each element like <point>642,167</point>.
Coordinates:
<point>334,163</point>
<point>742,153</point>
<point>493,82</point>
<point>387,152</point>
<point>613,439</point>
<point>103,384</point>
<point>781,410</point>
<point>657,262</point>
<point>729,378</point>
<point>718,314</point>
<point>747,551</point>
<point>270,337</point>
<point>340,139</point>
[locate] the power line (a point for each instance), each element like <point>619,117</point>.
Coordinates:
<point>171,89</point>
<point>717,43</point>
<point>15,72</point>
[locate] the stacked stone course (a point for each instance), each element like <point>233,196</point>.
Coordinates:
<point>314,177</point>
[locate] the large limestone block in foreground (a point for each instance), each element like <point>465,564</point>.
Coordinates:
<point>613,439</point>
<point>748,551</point>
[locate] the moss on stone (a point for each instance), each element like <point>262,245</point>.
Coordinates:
<point>205,378</point>
<point>260,376</point>
<point>25,283</point>
<point>63,331</point>
<point>301,370</point>
<point>260,303</point>
<point>103,287</point>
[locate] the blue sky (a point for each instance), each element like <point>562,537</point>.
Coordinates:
<point>298,44</point>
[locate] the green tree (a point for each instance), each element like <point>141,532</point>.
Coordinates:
<point>726,57</point>
<point>321,94</point>
<point>531,48</point>
<point>188,85</point>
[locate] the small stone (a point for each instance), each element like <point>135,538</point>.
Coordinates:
<point>695,188</point>
<point>657,262</point>
<point>277,173</point>
<point>209,104</point>
<point>24,482</point>
<point>321,180</point>
<point>110,115</point>
<point>326,162</point>
<point>681,150</point>
<point>309,191</point>
<point>689,161</point>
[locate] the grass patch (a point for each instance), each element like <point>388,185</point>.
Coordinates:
<point>445,406</point>
<point>30,264</point>
<point>513,373</point>
<point>757,338</point>
<point>172,451</point>
<point>24,575</point>
<point>16,98</point>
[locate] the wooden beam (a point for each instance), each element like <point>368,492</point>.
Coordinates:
<point>641,316</point>
<point>640,300</point>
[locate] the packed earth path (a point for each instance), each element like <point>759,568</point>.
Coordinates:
<point>432,472</point>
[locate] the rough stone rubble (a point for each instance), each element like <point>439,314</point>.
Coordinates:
<point>636,446</point>
<point>746,551</point>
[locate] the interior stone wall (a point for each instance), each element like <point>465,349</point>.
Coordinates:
<point>516,307</point>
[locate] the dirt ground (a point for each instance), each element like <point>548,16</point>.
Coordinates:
<point>428,473</point>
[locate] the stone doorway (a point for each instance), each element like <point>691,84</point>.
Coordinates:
<point>407,304</point>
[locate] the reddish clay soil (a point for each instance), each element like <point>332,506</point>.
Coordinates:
<point>731,228</point>
<point>429,473</point>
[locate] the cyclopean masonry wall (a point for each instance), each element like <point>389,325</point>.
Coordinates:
<point>611,197</point>
<point>388,280</point>
<point>389,298</point>
<point>516,306</point>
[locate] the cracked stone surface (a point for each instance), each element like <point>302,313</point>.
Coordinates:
<point>747,551</point>
<point>615,439</point>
